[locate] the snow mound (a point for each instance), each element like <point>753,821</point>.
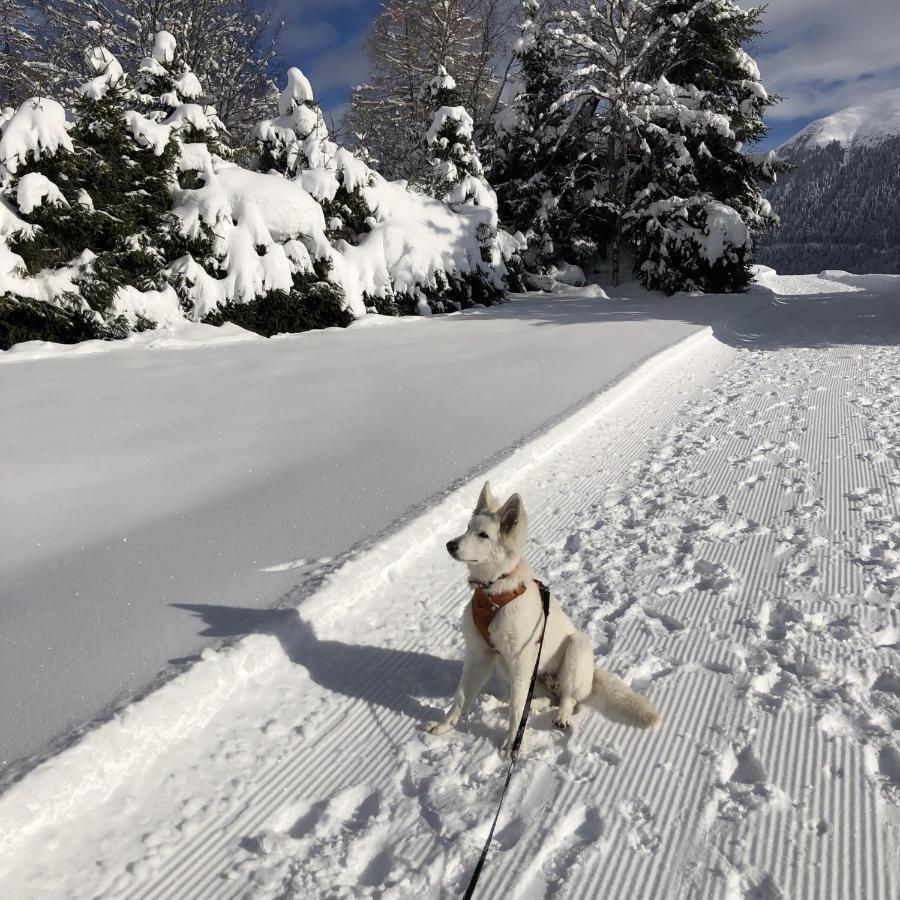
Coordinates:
<point>164,46</point>
<point>34,190</point>
<point>863,125</point>
<point>108,73</point>
<point>414,239</point>
<point>38,127</point>
<point>297,92</point>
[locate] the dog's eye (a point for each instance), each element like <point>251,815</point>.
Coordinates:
<point>483,535</point>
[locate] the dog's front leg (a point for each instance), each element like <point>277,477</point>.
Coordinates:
<point>477,667</point>
<point>519,681</point>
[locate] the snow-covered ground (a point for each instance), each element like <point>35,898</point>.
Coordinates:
<point>138,477</point>
<point>724,522</point>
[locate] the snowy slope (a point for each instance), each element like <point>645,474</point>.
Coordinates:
<point>724,524</point>
<point>136,480</point>
<point>863,125</point>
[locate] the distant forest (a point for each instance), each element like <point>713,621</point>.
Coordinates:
<point>839,209</point>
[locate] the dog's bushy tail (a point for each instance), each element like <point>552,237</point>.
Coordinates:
<point>612,697</point>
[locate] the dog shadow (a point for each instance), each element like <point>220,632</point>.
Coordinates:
<point>413,684</point>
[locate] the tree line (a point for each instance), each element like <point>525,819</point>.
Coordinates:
<point>613,132</point>
<point>610,135</point>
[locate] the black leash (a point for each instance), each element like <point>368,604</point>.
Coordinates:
<point>514,753</point>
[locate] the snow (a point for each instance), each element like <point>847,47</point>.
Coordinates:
<point>462,123</point>
<point>699,520</point>
<point>161,307</point>
<point>863,125</point>
<point>285,208</point>
<point>38,127</point>
<point>147,132</point>
<point>164,47</point>
<point>248,210</point>
<point>297,92</point>
<point>188,86</point>
<point>725,230</point>
<point>443,81</point>
<point>34,190</point>
<point>239,453</point>
<point>108,73</point>
<point>415,238</point>
<point>49,285</point>
<point>191,115</point>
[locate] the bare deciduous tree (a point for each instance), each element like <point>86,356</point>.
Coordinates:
<point>229,44</point>
<point>409,41</point>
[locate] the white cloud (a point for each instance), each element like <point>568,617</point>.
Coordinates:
<point>822,55</point>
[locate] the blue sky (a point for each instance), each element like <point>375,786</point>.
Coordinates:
<point>820,55</point>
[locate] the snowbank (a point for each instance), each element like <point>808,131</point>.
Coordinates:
<point>414,240</point>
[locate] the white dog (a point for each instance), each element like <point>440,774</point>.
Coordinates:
<point>502,625</point>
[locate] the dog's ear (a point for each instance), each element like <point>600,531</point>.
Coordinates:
<point>487,503</point>
<point>512,516</point>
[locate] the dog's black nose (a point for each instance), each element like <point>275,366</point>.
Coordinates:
<point>452,546</point>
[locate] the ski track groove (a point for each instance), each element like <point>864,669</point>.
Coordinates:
<point>714,551</point>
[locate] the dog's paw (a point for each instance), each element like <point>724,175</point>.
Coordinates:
<point>564,715</point>
<point>441,726</point>
<point>507,745</point>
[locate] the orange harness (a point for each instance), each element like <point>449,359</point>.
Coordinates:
<point>485,606</point>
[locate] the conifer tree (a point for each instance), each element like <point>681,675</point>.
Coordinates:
<point>693,224</point>
<point>101,203</point>
<point>170,93</point>
<point>296,144</point>
<point>453,169</point>
<point>540,167</point>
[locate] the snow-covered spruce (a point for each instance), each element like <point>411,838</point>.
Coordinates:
<point>85,214</point>
<point>454,174</point>
<point>170,94</point>
<point>539,161</point>
<point>659,99</point>
<point>296,144</point>
<point>699,207</point>
<point>394,250</point>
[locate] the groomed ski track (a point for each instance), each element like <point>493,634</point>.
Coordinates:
<point>724,523</point>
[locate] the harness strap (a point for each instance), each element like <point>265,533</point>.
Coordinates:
<point>517,743</point>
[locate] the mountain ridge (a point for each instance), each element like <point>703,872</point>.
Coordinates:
<point>863,124</point>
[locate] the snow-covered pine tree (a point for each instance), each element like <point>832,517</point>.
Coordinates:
<point>454,174</point>
<point>18,52</point>
<point>607,46</point>
<point>453,170</point>
<point>95,201</point>
<point>170,93</point>
<point>694,221</point>
<point>539,161</point>
<point>296,144</point>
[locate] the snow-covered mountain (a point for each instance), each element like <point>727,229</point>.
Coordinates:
<point>865,125</point>
<point>840,207</point>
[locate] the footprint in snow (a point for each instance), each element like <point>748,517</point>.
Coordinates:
<point>642,836</point>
